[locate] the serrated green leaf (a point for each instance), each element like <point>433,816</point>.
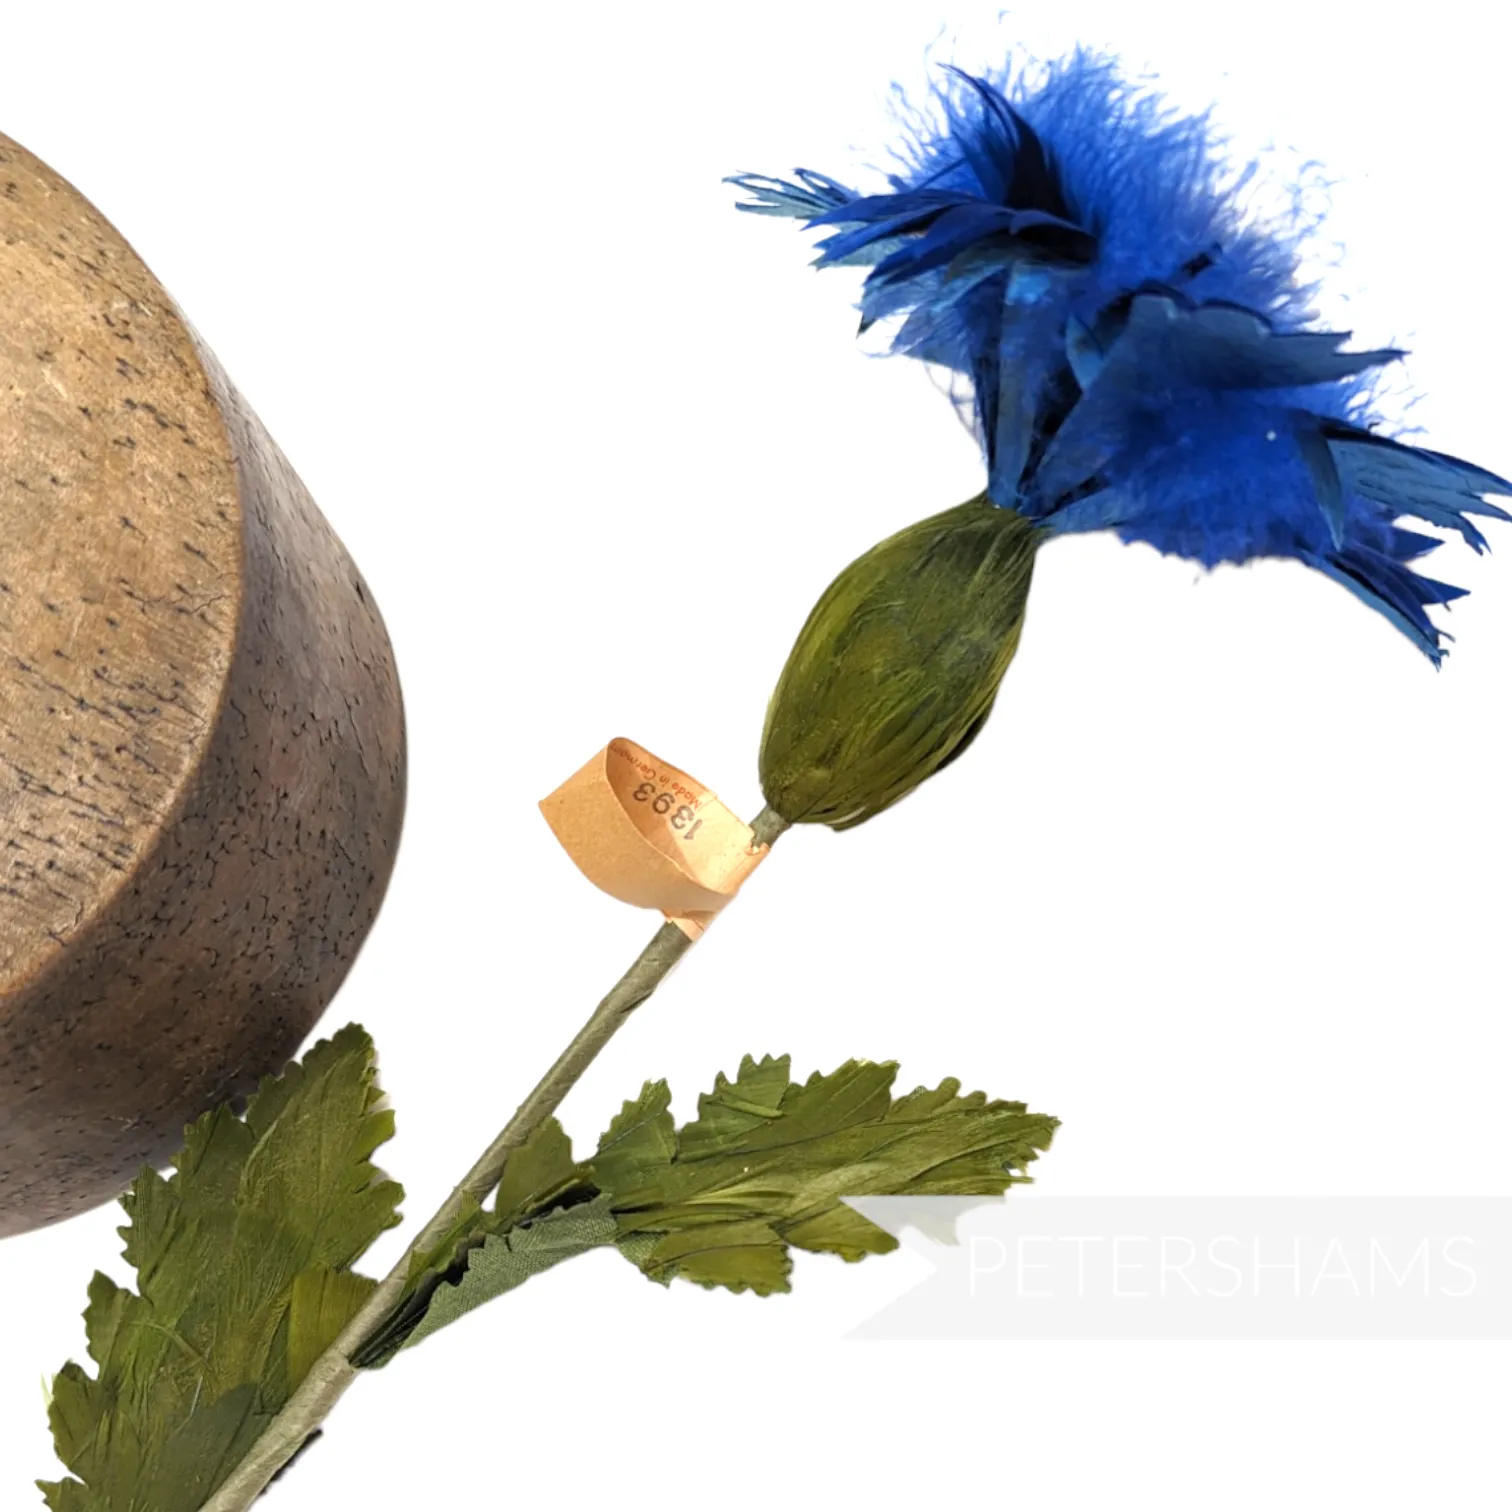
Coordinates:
<point>316,1127</point>
<point>733,1109</point>
<point>746,1255</point>
<point>322,1302</point>
<point>722,1200</point>
<point>109,1315</point>
<point>842,1231</point>
<point>505,1261</point>
<point>204,1449</point>
<point>540,1175</point>
<point>241,1258</point>
<point>76,1414</point>
<point>536,1177</point>
<point>767,1160</point>
<point>64,1496</point>
<point>641,1139</point>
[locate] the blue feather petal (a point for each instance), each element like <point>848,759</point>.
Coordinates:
<point>813,194</point>
<point>1139,350</point>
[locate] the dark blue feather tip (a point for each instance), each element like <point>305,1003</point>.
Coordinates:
<point>1140,354</point>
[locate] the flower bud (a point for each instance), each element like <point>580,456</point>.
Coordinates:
<point>897,667</point>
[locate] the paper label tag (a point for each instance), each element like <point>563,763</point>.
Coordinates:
<point>651,835</point>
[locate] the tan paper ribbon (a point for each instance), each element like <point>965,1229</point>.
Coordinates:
<point>653,836</point>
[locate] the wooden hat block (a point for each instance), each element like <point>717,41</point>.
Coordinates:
<point>202,757</point>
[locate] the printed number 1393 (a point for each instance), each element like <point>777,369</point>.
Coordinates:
<point>683,820</point>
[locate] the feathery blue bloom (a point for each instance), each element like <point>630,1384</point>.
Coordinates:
<point>1140,354</point>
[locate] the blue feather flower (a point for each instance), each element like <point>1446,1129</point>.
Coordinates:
<point>1140,354</point>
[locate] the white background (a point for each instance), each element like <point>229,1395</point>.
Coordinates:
<point>1223,884</point>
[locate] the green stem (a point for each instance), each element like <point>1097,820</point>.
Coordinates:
<point>334,1371</point>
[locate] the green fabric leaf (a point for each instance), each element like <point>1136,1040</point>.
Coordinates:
<point>767,1160</point>
<point>203,1450</point>
<point>745,1255</point>
<point>322,1302</point>
<point>241,1259</point>
<point>537,1176</point>
<point>65,1496</point>
<point>724,1199</point>
<point>640,1140</point>
<point>504,1261</point>
<point>316,1127</point>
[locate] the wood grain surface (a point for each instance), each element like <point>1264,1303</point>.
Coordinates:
<point>202,758</point>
